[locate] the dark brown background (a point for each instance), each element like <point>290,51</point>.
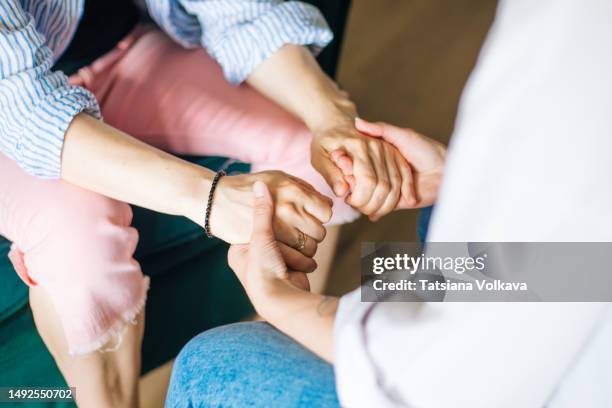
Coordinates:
<point>405,62</point>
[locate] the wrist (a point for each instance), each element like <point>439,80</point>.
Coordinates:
<point>273,299</point>
<point>336,111</point>
<point>193,202</point>
<point>231,209</point>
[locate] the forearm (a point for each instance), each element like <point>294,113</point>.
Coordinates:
<point>306,317</point>
<point>292,78</point>
<point>105,160</point>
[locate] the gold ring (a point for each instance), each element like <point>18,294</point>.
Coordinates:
<point>301,241</point>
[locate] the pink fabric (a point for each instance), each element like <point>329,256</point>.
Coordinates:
<point>78,245</point>
<point>178,100</point>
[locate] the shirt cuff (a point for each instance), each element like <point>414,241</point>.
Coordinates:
<point>39,149</point>
<point>248,45</point>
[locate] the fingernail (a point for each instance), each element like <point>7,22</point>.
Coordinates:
<point>259,189</point>
<point>338,187</point>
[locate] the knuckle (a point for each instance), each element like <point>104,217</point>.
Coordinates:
<point>385,185</point>
<point>369,181</point>
<point>294,188</point>
<point>328,213</point>
<point>310,250</point>
<point>367,210</point>
<point>322,233</point>
<point>358,144</point>
<point>310,265</point>
<point>283,210</point>
<point>376,145</point>
<point>324,203</point>
<point>358,201</point>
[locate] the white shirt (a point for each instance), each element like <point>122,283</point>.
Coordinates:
<point>530,160</point>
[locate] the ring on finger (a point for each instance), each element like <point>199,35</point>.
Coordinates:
<point>301,241</point>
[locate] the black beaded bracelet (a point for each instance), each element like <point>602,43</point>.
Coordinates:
<point>211,195</point>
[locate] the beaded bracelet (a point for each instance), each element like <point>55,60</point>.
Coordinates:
<point>211,195</point>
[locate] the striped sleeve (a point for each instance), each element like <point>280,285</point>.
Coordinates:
<point>36,104</point>
<point>240,34</point>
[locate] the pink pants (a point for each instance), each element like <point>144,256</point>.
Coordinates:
<point>78,245</point>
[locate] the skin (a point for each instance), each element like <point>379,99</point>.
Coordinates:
<point>330,116</point>
<point>105,160</point>
<point>102,379</point>
<point>281,295</point>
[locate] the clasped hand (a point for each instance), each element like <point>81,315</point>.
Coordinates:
<point>376,166</point>
<point>379,167</point>
<point>260,264</point>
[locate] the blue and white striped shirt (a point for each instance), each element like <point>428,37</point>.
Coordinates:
<point>37,104</point>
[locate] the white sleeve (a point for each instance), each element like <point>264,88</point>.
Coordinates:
<point>529,161</point>
<point>456,354</point>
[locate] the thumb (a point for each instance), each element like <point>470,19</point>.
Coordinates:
<point>263,213</point>
<point>390,133</point>
<point>407,141</point>
<point>369,128</point>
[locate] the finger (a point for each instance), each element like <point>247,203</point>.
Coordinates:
<point>407,141</point>
<point>310,246</point>
<point>383,185</point>
<point>351,181</point>
<point>364,171</point>
<point>297,261</point>
<point>291,237</point>
<point>263,213</point>
<point>336,154</point>
<point>369,128</point>
<point>330,172</point>
<point>299,280</point>
<point>317,205</point>
<point>343,161</point>
<point>300,220</point>
<point>392,134</point>
<point>408,189</point>
<point>395,179</point>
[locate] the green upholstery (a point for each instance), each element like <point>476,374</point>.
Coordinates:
<point>192,289</point>
<point>13,293</point>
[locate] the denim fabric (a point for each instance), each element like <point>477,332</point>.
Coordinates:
<point>423,223</point>
<point>249,365</point>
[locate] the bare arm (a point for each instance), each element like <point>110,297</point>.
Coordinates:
<point>307,317</point>
<point>101,158</point>
<point>292,78</point>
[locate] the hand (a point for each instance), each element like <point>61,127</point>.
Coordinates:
<point>298,207</point>
<point>425,156</point>
<point>292,78</point>
<point>380,175</point>
<point>278,294</point>
<point>260,265</point>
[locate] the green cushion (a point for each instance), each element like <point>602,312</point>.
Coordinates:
<point>192,289</point>
<point>24,359</point>
<point>13,293</point>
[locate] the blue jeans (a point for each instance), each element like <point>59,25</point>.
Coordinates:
<point>249,365</point>
<point>423,223</point>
